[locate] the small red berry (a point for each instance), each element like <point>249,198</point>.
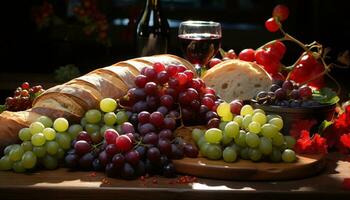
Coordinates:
<point>25,85</point>
<point>271,25</point>
<point>247,55</point>
<point>281,12</point>
<point>213,62</point>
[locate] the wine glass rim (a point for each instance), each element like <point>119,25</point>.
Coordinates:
<point>200,23</point>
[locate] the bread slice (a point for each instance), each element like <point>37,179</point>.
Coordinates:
<point>233,79</point>
<point>124,73</point>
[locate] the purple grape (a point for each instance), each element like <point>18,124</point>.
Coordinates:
<point>143,117</point>
<point>85,162</point>
<point>169,123</point>
<point>96,165</point>
<point>166,134</point>
<point>150,138</point>
<point>127,171</point>
<point>153,154</point>
<point>82,147</point>
<point>190,151</point>
<point>111,150</point>
<point>127,127</point>
<point>118,160</point>
<point>111,171</point>
<point>132,157</point>
<point>164,146</point>
<point>163,110</point>
<point>176,152</point>
<point>72,161</point>
<point>140,106</point>
<point>103,157</point>
<point>146,128</point>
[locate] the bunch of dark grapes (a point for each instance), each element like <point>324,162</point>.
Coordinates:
<point>287,94</point>
<point>23,97</point>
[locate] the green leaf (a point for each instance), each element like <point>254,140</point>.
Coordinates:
<point>323,126</point>
<point>2,108</point>
<point>325,96</point>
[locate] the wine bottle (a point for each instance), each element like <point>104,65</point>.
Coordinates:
<point>152,34</point>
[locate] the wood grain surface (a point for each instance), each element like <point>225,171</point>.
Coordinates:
<point>306,165</point>
<point>64,184</point>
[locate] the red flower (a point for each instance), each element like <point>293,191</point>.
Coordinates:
<point>346,183</point>
<point>311,145</point>
<point>345,140</point>
<point>300,125</point>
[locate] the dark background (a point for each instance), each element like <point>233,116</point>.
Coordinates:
<point>24,49</point>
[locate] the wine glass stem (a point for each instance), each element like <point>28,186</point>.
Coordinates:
<point>198,69</point>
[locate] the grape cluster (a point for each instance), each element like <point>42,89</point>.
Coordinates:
<point>171,92</point>
<point>287,94</point>
<point>43,144</point>
<point>23,97</point>
<point>249,135</point>
<point>133,138</point>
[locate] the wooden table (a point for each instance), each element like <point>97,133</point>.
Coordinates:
<point>61,184</point>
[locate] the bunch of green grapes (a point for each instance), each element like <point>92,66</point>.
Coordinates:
<point>250,135</point>
<point>44,143</point>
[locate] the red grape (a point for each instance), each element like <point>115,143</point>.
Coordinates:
<point>280,94</point>
<point>288,85</point>
<point>162,77</point>
<point>169,123</point>
<point>151,88</point>
<point>182,78</point>
<point>189,74</point>
<point>208,102</point>
<point>181,68</point>
<point>110,136</point>
<point>132,157</point>
<point>171,70</point>
<point>281,12</point>
<point>111,150</point>
<point>235,107</point>
<point>127,127</point>
<point>305,92</point>
<point>140,81</point>
<point>123,143</point>
<point>247,55</point>
<point>158,67</point>
<point>143,117</point>
<point>213,123</point>
<point>82,147</point>
<point>157,119</point>
<point>271,25</point>
<point>151,74</point>
<point>83,135</point>
<point>190,151</point>
<point>167,101</point>
<point>173,83</point>
<point>164,146</point>
<point>25,86</point>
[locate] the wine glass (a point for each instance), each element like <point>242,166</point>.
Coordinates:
<point>200,41</point>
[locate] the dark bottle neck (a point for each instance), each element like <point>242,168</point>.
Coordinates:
<point>153,4</point>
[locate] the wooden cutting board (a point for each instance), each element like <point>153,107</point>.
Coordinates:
<point>307,165</point>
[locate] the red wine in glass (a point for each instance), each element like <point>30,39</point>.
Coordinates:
<point>199,48</point>
<point>200,41</point>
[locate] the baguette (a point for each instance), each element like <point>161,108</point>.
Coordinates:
<point>72,99</point>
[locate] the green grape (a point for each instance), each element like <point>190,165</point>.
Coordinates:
<point>5,163</point>
<point>104,128</point>
<point>232,129</point>
<point>244,153</point>
<point>289,156</point>
<point>83,122</point>
<point>269,117</point>
<point>204,148</point>
<point>39,151</point>
<point>16,153</point>
<point>108,105</point>
<point>269,130</point>
<point>46,121</point>
<point>252,140</point>
<point>255,155</point>
<point>24,134</point>
<point>246,121</point>
<point>227,118</point>
<point>27,146</point>
<point>38,139</point>
<point>122,117</point>
<point>236,147</point>
<point>74,130</point>
<point>60,124</point>
<point>247,110</point>
<point>18,167</point>
<point>60,154</point>
<point>29,160</point>
<point>197,133</point>
<point>275,155</point>
<point>260,118</point>
<point>254,127</point>
<point>49,133</point>
<point>110,118</point>
<point>91,128</point>
<point>290,141</point>
<point>51,147</point>
<point>201,141</point>
<point>223,109</point>
<point>278,139</point>
<point>8,148</point>
<point>93,116</point>
<point>96,137</point>
<point>238,119</point>
<point>214,152</point>
<point>49,162</point>
<point>229,154</point>
<point>278,122</point>
<point>258,110</point>
<point>226,140</point>
<point>36,127</point>
<point>213,135</point>
<point>222,125</point>
<point>265,146</point>
<point>241,139</point>
<point>63,140</point>
<point>283,147</point>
